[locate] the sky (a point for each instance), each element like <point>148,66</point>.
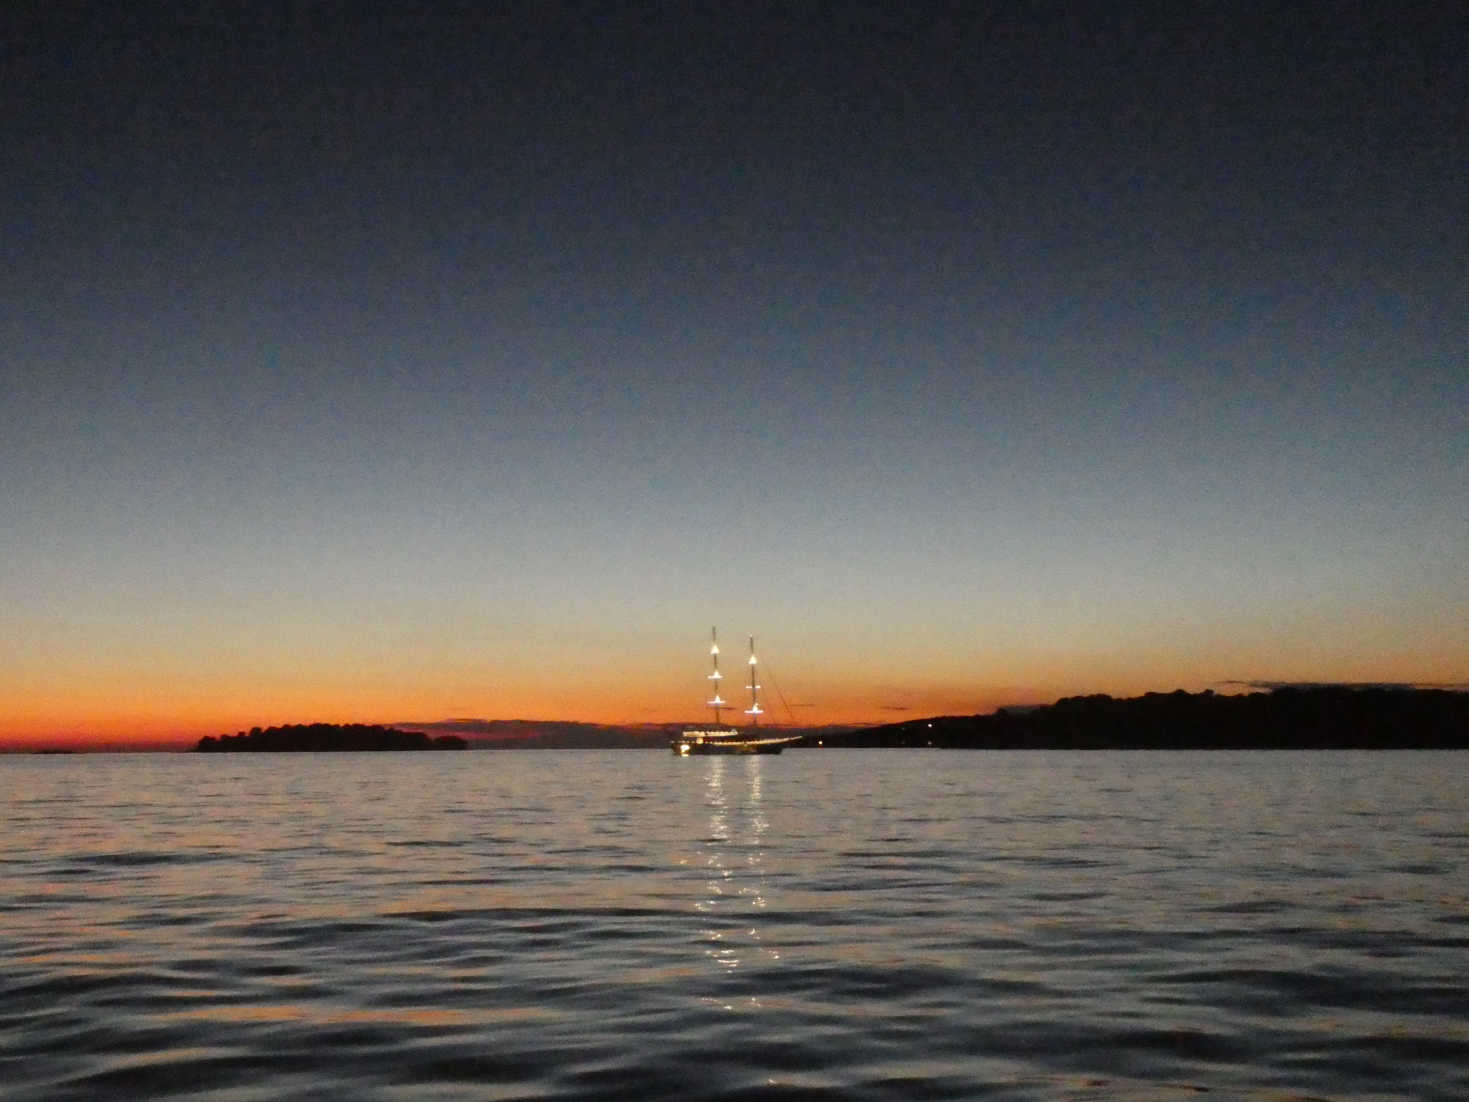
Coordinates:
<point>363,363</point>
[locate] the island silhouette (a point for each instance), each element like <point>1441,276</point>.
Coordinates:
<point>1287,718</point>
<point>326,737</point>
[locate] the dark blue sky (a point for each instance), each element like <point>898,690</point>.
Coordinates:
<point>386,363</point>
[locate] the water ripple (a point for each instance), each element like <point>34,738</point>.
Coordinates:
<point>880,925</point>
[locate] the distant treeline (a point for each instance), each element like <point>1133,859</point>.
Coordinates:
<point>320,737</point>
<point>1290,718</point>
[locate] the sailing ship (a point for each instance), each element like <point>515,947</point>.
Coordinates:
<point>721,738</point>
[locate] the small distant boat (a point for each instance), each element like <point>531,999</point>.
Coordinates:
<point>721,738</point>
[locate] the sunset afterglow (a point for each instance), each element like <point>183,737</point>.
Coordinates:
<point>343,386</point>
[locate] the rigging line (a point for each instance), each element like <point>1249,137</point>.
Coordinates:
<point>769,674</point>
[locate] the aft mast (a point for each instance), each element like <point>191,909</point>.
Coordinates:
<point>754,711</point>
<point>715,676</point>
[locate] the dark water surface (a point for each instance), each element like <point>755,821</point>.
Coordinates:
<point>825,924</point>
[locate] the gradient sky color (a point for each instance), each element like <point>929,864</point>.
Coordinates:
<point>389,367</point>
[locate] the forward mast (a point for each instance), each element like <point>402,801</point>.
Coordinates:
<point>715,676</point>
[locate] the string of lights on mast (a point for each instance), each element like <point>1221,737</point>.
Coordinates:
<point>754,711</point>
<point>715,676</point>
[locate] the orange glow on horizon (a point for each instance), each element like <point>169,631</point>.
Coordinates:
<point>161,723</point>
<point>174,705</point>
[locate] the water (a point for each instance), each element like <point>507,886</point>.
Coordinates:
<point>819,925</point>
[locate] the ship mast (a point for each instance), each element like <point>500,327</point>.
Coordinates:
<point>754,711</point>
<point>715,676</point>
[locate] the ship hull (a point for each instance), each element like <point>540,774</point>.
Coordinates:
<point>702,748</point>
<point>701,742</point>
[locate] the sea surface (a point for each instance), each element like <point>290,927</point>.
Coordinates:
<point>882,924</point>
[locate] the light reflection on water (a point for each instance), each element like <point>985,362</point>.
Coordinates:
<point>819,925</point>
<point>734,857</point>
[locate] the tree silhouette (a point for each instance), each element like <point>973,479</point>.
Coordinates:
<point>325,738</point>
